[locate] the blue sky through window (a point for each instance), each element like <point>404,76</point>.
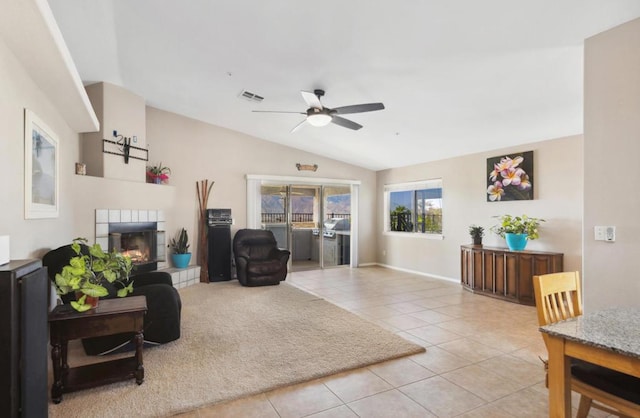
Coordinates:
<point>401,199</point>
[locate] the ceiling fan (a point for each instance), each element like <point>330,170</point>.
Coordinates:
<point>319,115</point>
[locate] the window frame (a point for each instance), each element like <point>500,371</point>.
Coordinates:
<point>409,187</point>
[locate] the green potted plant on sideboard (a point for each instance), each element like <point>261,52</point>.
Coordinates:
<point>87,272</point>
<point>517,230</point>
<point>476,232</point>
<point>180,246</point>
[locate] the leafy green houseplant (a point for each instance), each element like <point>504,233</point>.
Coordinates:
<point>180,246</point>
<point>158,173</point>
<point>476,232</point>
<point>518,225</point>
<point>521,228</point>
<point>88,271</point>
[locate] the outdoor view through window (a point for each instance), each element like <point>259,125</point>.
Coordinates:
<point>416,208</point>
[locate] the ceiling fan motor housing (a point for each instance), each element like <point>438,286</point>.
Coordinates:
<point>315,111</point>
<point>319,117</point>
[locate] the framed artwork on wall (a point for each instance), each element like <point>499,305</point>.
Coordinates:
<point>40,169</point>
<point>510,177</point>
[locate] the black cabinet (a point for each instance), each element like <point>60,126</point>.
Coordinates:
<point>24,290</point>
<point>219,253</point>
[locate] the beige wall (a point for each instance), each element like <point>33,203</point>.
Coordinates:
<point>196,151</point>
<point>192,149</point>
<point>118,110</point>
<point>17,92</point>
<point>558,199</point>
<point>79,195</point>
<point>612,147</point>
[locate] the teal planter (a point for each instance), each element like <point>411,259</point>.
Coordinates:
<point>516,242</point>
<point>181,260</point>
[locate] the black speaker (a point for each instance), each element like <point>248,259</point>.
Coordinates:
<point>219,253</point>
<point>24,291</point>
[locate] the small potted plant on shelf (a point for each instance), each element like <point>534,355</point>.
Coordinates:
<point>476,232</point>
<point>158,173</point>
<point>517,230</point>
<point>180,246</point>
<point>88,272</point>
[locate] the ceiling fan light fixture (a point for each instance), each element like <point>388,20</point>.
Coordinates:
<point>319,119</point>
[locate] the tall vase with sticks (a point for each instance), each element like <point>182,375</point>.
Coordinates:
<point>203,189</point>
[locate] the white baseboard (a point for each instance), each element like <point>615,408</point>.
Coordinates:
<point>419,273</point>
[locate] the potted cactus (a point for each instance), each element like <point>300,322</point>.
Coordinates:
<point>180,246</point>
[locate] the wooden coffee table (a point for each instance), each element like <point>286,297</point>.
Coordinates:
<point>112,316</point>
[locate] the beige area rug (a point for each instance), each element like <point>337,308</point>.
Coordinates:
<point>237,341</point>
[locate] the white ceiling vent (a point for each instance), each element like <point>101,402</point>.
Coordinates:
<point>251,96</point>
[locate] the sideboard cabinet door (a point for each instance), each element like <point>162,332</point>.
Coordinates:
<point>505,274</point>
<point>466,267</point>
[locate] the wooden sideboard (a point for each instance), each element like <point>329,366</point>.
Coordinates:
<point>505,274</point>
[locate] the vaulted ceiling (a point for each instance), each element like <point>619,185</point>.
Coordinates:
<point>455,76</point>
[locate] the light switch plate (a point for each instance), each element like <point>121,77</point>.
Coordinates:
<point>598,233</point>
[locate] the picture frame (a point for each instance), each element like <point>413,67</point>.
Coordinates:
<point>510,177</point>
<point>41,160</point>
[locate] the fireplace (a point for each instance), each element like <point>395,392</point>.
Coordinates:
<point>138,240</point>
<point>136,233</point>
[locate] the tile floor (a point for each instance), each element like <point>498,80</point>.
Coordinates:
<point>481,359</point>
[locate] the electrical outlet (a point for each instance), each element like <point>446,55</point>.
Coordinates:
<point>115,133</point>
<point>135,139</point>
<point>610,234</point>
<point>605,233</point>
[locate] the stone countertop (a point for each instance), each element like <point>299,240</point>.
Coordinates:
<point>615,329</point>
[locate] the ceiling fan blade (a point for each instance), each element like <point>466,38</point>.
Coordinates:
<point>359,108</point>
<point>277,111</point>
<point>298,126</point>
<point>311,99</point>
<point>345,123</point>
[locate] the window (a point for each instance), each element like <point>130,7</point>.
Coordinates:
<point>414,207</point>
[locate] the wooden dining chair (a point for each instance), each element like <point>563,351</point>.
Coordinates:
<point>558,297</point>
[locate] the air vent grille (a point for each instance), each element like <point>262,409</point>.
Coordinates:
<point>251,96</point>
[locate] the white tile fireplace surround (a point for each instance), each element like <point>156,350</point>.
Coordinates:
<point>105,217</point>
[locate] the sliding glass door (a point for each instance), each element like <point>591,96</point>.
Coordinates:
<point>313,221</point>
<point>336,235</point>
<point>274,203</point>
<point>305,224</point>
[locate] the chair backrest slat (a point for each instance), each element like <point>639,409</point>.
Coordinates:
<point>558,297</point>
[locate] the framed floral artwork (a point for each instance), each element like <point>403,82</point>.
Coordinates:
<point>40,169</point>
<point>510,177</point>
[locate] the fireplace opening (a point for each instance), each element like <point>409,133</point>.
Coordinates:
<point>139,241</point>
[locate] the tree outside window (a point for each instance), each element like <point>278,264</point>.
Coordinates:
<point>416,210</point>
